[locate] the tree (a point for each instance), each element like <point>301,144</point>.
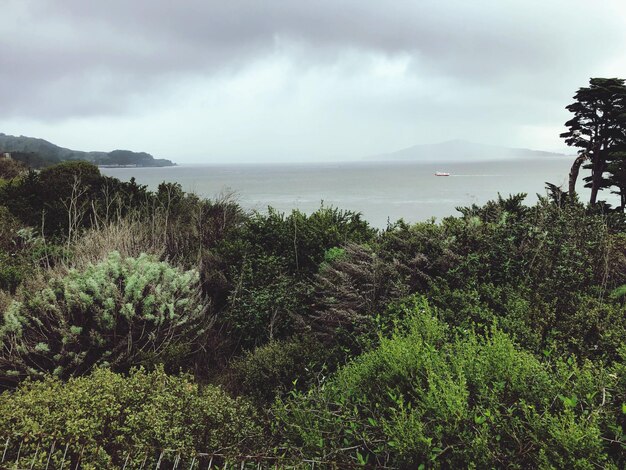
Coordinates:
<point>616,168</point>
<point>598,125</point>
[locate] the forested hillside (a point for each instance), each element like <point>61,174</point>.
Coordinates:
<point>39,153</point>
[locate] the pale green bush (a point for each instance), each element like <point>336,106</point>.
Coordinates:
<point>120,312</point>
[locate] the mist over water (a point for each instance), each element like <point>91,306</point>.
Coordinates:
<point>381,191</point>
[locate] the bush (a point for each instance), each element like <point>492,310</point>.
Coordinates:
<point>20,251</point>
<point>430,396</point>
<point>9,227</point>
<point>107,416</point>
<point>61,196</point>
<point>595,329</point>
<point>351,289</point>
<point>301,240</point>
<point>616,415</point>
<point>264,304</point>
<point>64,199</point>
<point>277,368</point>
<point>120,312</point>
<point>10,169</point>
<point>268,263</point>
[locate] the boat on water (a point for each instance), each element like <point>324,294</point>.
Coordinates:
<point>441,173</point>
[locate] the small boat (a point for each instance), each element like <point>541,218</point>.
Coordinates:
<point>441,173</point>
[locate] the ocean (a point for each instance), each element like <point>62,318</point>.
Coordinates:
<point>382,191</point>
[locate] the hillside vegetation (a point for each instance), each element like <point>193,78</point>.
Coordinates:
<point>39,153</point>
<point>136,319</point>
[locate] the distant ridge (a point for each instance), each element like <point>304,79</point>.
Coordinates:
<point>39,152</point>
<point>460,150</point>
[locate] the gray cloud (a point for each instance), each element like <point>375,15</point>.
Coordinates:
<point>517,61</point>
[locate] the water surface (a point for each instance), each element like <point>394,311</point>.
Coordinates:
<point>381,191</point>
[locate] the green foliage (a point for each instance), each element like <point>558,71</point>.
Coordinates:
<point>302,240</point>
<point>12,268</point>
<point>518,363</point>
<point>21,251</point>
<point>63,199</point>
<point>9,228</point>
<point>598,127</point>
<point>276,368</point>
<point>334,253</point>
<point>10,169</point>
<point>265,303</point>
<point>120,312</point>
<point>12,271</point>
<point>271,261</point>
<point>616,413</point>
<point>105,416</point>
<point>352,290</point>
<point>428,396</point>
<point>533,270</point>
<point>619,292</point>
<point>47,199</point>
<point>594,328</point>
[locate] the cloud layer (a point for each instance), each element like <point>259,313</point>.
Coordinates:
<point>275,80</point>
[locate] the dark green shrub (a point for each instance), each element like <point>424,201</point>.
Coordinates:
<point>419,252</point>
<point>616,415</point>
<point>20,251</point>
<point>352,292</point>
<point>595,329</point>
<point>10,169</point>
<point>264,289</point>
<point>12,271</point>
<point>66,192</point>
<point>264,304</point>
<point>191,226</point>
<point>9,227</point>
<point>301,240</point>
<point>276,368</point>
<point>64,199</point>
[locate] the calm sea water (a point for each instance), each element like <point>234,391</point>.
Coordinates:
<point>380,191</point>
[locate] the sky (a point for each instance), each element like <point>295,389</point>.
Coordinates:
<point>207,81</point>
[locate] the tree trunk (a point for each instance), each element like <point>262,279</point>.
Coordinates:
<point>573,173</point>
<point>596,180</point>
<point>594,192</point>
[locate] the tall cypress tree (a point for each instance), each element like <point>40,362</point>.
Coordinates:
<point>597,129</point>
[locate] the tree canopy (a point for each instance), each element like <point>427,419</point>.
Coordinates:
<point>597,129</point>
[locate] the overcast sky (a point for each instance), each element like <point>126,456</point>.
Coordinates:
<point>279,80</point>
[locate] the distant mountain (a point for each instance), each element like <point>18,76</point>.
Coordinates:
<point>459,150</point>
<point>38,153</point>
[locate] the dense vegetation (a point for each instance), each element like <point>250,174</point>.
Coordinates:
<point>142,326</point>
<point>494,338</point>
